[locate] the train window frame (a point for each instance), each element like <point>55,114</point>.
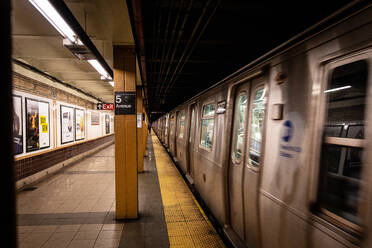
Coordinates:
<point>233,158</point>
<point>180,114</point>
<point>192,121</point>
<point>253,90</point>
<point>172,122</point>
<point>326,69</point>
<point>208,102</point>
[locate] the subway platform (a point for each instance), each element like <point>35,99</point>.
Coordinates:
<point>76,207</point>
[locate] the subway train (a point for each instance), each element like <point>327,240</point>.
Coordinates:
<point>280,151</point>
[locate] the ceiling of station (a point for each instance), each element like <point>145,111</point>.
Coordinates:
<point>38,44</point>
<point>187,46</point>
<point>184,46</point>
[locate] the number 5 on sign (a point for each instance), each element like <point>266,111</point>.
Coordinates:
<point>118,99</point>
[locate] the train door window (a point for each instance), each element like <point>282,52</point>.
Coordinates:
<point>192,123</point>
<point>171,125</point>
<point>239,127</point>
<point>206,136</point>
<point>342,148</point>
<point>256,126</point>
<point>182,124</point>
<point>166,125</point>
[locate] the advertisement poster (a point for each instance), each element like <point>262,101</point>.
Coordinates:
<point>17,125</point>
<point>107,124</point>
<point>32,125</point>
<point>94,118</point>
<point>67,134</point>
<point>43,124</point>
<point>79,124</point>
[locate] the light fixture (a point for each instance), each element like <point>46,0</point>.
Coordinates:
<point>71,40</point>
<point>104,75</point>
<point>112,83</point>
<point>337,89</point>
<point>52,15</point>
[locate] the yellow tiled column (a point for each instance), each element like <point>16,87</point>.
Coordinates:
<point>140,146</point>
<point>126,178</point>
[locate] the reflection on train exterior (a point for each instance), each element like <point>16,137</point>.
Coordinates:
<point>280,151</point>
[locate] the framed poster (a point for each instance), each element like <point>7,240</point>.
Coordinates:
<point>107,124</point>
<point>94,118</point>
<point>17,125</point>
<point>66,116</point>
<point>79,124</point>
<point>32,125</point>
<point>37,125</point>
<point>44,136</point>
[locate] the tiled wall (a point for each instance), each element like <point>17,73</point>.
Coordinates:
<point>31,165</point>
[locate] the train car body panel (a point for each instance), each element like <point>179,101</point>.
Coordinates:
<point>208,168</point>
<point>292,167</point>
<point>293,170</point>
<point>181,139</point>
<point>191,142</point>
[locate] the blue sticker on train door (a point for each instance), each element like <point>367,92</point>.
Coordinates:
<point>288,130</point>
<point>289,145</point>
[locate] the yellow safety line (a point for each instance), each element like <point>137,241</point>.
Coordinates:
<point>187,224</point>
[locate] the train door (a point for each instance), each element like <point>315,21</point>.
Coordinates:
<point>252,162</point>
<point>244,161</point>
<point>166,133</point>
<point>172,130</point>
<point>176,133</point>
<point>190,152</point>
<point>236,167</point>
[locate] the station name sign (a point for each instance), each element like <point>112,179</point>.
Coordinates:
<point>105,106</point>
<point>125,103</point>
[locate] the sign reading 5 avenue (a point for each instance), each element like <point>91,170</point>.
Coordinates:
<point>125,103</point>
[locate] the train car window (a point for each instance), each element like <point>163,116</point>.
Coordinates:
<point>182,124</point>
<point>206,136</point>
<point>342,149</point>
<point>238,136</point>
<point>256,127</point>
<point>171,125</point>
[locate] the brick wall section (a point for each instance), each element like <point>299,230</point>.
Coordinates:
<point>28,166</point>
<point>25,84</point>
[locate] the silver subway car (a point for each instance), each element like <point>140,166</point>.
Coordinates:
<point>280,151</point>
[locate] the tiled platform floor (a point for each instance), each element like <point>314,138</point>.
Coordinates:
<point>75,208</point>
<point>187,224</point>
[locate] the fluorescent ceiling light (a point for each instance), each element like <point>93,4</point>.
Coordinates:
<point>100,69</point>
<point>52,15</point>
<point>337,89</point>
<point>112,83</point>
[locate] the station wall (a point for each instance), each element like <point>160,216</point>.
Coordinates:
<point>49,120</point>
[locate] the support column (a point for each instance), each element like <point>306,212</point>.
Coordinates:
<point>126,177</point>
<point>140,147</point>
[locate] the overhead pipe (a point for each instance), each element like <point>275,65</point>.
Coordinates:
<point>171,81</point>
<point>156,35</point>
<point>176,46</point>
<point>164,59</point>
<point>196,27</point>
